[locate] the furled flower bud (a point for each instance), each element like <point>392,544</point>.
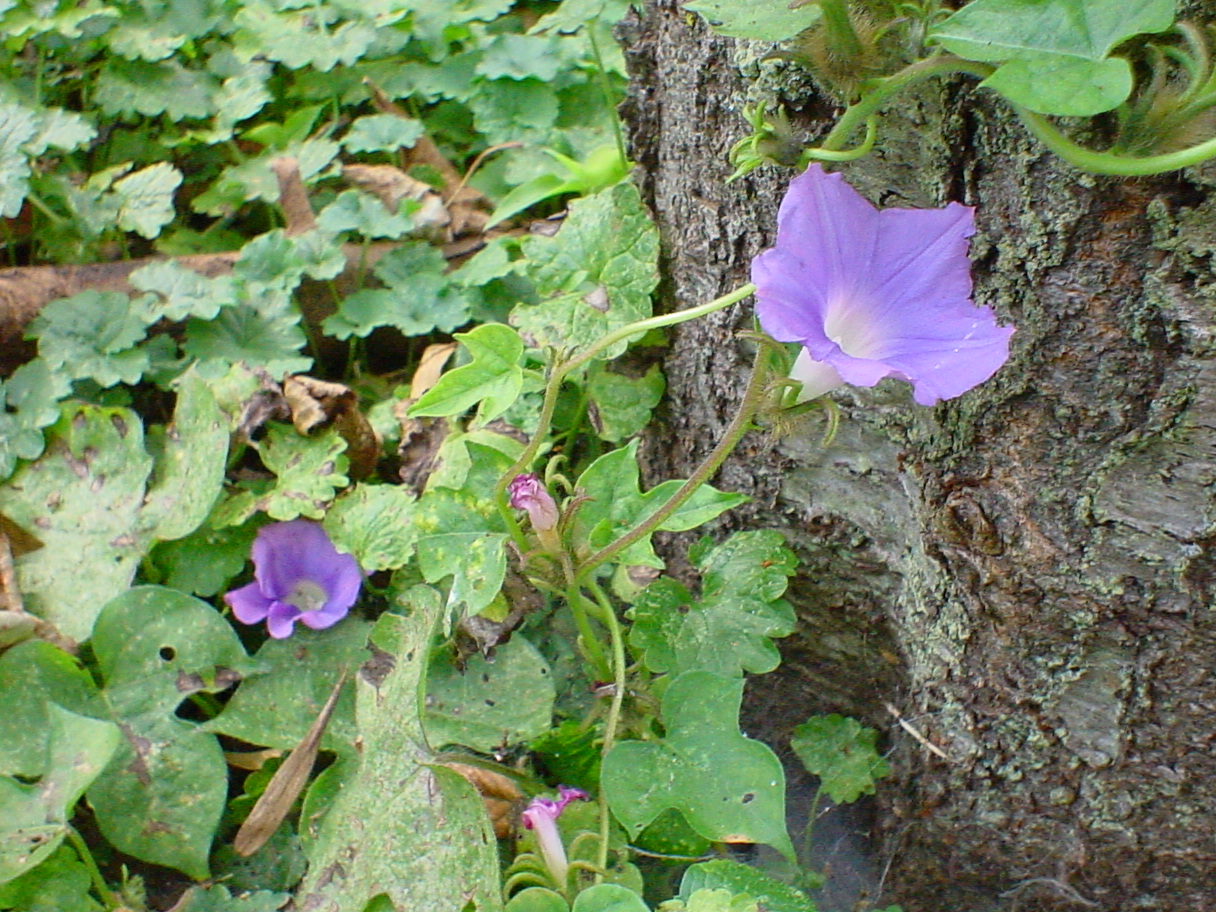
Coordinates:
<point>541,816</point>
<point>527,493</point>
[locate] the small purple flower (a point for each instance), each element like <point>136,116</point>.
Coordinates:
<point>541,815</point>
<point>298,576</point>
<point>872,294</point>
<point>527,493</point>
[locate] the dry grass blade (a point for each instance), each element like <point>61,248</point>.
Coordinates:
<point>286,784</point>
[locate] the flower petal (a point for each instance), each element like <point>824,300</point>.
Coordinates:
<point>281,620</point>
<point>286,552</point>
<point>248,604</point>
<point>816,377</point>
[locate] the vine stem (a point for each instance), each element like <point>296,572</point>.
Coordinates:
<point>614,713</point>
<point>559,372</point>
<point>1108,162</point>
<point>753,398</point>
<point>108,899</point>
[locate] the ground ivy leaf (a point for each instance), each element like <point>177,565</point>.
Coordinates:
<point>510,56</point>
<point>729,630</point>
<point>162,796</point>
<point>494,378</point>
<point>843,753</point>
<point>418,299</point>
<point>183,292</point>
<point>382,133</point>
<point>145,198</point>
<point>354,210</point>
<point>165,87</point>
<point>400,827</point>
<point>276,707</point>
<point>728,787</point>
<point>373,522</point>
<point>491,702</point>
<point>475,561</point>
<point>615,505</point>
<point>60,129</point>
<point>595,275</point>
<point>624,404</point>
<point>766,20</point>
<point>1054,39</point>
<point>242,334</point>
<point>17,127</point>
<point>507,110</point>
<point>92,334</point>
<point>308,470</point>
<point>217,898</point>
<point>29,402</point>
<point>769,893</point>
<point>34,818</point>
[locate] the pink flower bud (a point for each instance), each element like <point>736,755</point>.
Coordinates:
<point>527,493</point>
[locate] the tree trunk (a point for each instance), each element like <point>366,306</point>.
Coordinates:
<point>1026,573</point>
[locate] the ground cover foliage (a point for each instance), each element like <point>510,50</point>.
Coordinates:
<point>331,308</point>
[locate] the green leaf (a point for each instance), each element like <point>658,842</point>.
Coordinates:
<point>33,675</point>
<point>93,335</point>
<point>476,562</point>
<point>190,464</point>
<point>728,787</point>
<point>61,882</point>
<point>308,470</point>
<point>595,275</point>
<point>491,702</point>
<point>217,898</point>
<point>766,20</point>
<point>537,899</point>
<point>728,630</point>
<point>510,56</point>
<point>494,378</point>
<point>242,334</point>
<point>843,753</point>
<point>277,707</point>
<point>145,198</point>
<point>722,874</point>
<point>204,562</point>
<point>17,127</point>
<point>624,404</point>
<point>162,796</point>
<point>510,110</point>
<point>607,897</point>
<point>354,210</point>
<point>183,292</point>
<point>615,505</point>
<point>127,87</point>
<point>373,522</point>
<point>29,402</point>
<point>1054,53</point>
<point>382,133</point>
<point>413,832</point>
<point>34,818</point>
<point>418,299</point>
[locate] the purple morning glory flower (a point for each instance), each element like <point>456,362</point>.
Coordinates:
<point>541,815</point>
<point>527,493</point>
<point>298,576</point>
<point>872,294</point>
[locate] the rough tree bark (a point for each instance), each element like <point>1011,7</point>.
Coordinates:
<point>1026,573</point>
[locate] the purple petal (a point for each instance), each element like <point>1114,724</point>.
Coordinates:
<point>286,552</point>
<point>248,603</point>
<point>281,620</point>
<point>874,294</point>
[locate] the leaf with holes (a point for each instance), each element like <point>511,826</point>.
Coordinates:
<point>595,275</point>
<point>730,629</point>
<point>162,796</point>
<point>728,787</point>
<point>490,702</point>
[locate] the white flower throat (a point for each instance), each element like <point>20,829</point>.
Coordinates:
<point>306,595</point>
